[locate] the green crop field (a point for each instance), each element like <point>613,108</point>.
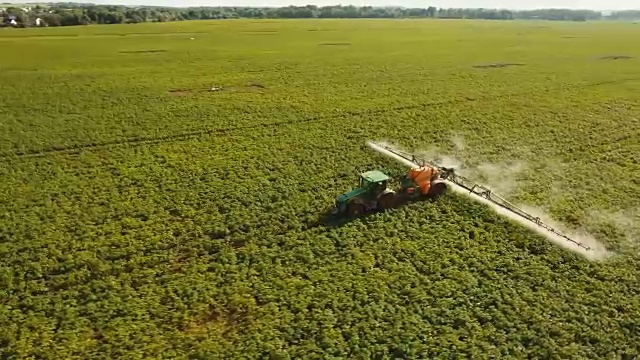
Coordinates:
<point>142,216</point>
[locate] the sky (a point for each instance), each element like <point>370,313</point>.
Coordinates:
<point>503,4</point>
<point>500,4</point>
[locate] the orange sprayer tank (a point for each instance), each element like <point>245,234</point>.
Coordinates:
<point>422,177</point>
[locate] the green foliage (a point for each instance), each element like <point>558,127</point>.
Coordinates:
<point>66,14</point>
<point>142,216</point>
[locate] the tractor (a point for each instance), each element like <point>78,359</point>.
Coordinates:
<point>374,194</point>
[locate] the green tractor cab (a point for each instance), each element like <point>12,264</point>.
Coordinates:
<point>372,193</point>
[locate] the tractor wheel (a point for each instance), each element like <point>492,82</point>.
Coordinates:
<point>436,190</point>
<point>355,209</point>
<point>386,201</point>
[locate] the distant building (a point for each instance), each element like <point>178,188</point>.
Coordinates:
<point>11,20</point>
<point>39,22</point>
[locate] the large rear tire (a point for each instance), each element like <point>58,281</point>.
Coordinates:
<point>354,209</point>
<point>387,201</point>
<point>436,190</point>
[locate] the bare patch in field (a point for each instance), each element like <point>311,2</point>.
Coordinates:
<point>216,320</point>
<point>182,92</point>
<point>336,44</point>
<point>142,51</point>
<point>497,65</point>
<point>261,32</point>
<point>248,88</point>
<point>616,57</point>
<point>252,87</point>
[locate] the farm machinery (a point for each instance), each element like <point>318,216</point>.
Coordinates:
<point>424,180</point>
<point>375,194</point>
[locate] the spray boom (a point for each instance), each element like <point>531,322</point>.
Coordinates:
<point>485,194</point>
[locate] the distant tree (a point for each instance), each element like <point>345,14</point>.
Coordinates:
<point>69,14</point>
<point>51,19</point>
<point>628,15</point>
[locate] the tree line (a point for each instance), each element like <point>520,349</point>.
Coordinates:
<point>68,14</point>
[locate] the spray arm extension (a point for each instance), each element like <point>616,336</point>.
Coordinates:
<point>477,189</point>
<point>486,193</point>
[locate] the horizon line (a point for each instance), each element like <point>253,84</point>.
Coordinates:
<point>301,6</point>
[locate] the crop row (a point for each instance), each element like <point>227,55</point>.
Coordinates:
<point>147,223</point>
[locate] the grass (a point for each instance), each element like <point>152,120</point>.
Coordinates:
<point>142,216</point>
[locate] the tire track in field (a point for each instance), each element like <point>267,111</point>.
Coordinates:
<point>238,239</point>
<point>71,149</point>
<point>146,140</point>
<point>325,222</point>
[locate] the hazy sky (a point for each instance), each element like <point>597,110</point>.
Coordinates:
<point>509,4</point>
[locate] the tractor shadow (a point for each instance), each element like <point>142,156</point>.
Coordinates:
<point>329,220</point>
